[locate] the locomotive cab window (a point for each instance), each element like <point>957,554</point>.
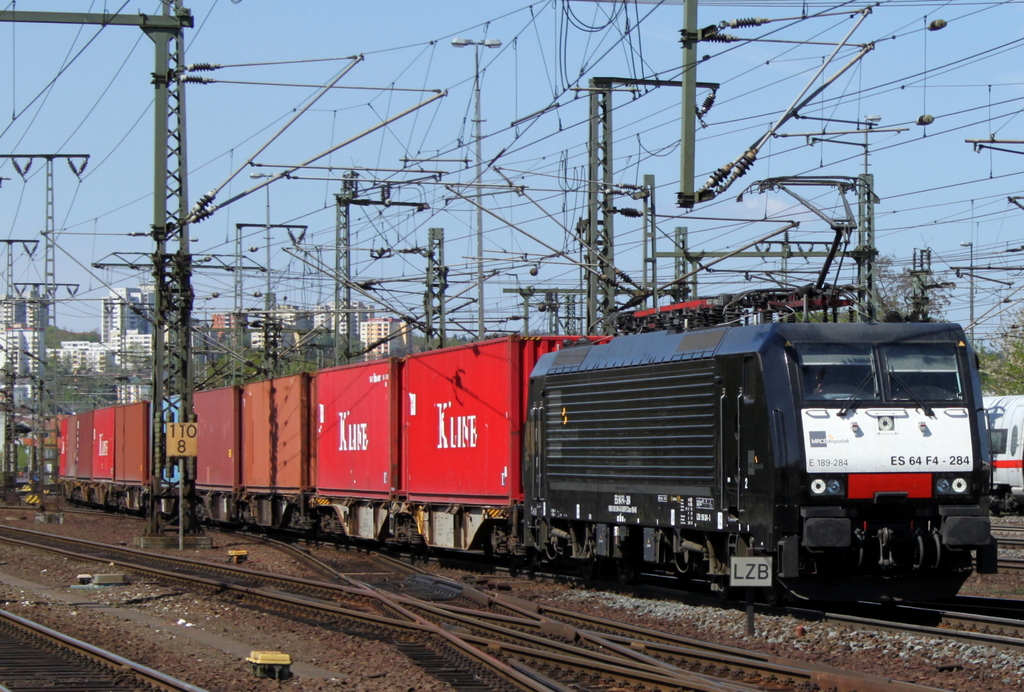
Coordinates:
<point>922,371</point>
<point>837,372</point>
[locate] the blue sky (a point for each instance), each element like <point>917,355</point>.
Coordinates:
<point>72,90</point>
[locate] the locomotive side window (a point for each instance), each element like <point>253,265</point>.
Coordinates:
<point>925,371</point>
<point>833,372</point>
<point>1014,439</point>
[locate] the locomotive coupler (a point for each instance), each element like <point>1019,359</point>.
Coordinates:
<point>885,547</point>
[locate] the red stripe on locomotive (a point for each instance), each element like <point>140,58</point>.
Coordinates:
<point>863,486</point>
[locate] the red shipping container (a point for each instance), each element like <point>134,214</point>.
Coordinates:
<point>462,414</point>
<point>83,456</point>
<point>71,447</point>
<point>358,429</point>
<point>218,412</point>
<point>275,434</point>
<point>62,454</point>
<point>103,426</point>
<point>131,443</point>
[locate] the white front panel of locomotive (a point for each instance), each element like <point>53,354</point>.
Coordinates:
<point>887,441</point>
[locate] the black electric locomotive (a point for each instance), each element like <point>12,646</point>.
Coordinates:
<point>850,454</point>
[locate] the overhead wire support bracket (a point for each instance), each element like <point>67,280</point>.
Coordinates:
<point>982,144</point>
<point>138,261</point>
<point>723,178</point>
<point>205,208</point>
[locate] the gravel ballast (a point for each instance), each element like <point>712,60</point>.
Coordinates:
<point>156,625</point>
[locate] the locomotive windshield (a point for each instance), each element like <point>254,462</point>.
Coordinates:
<point>913,372</point>
<point>925,371</point>
<point>832,372</point>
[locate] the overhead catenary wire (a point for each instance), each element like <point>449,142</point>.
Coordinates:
<point>546,202</point>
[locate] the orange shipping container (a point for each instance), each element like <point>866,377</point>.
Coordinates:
<point>131,443</point>
<point>275,434</point>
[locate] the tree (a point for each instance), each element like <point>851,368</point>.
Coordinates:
<point>896,291</point>
<point>55,335</point>
<point>1002,361</point>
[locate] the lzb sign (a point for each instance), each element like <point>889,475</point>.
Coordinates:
<point>750,571</point>
<point>181,439</point>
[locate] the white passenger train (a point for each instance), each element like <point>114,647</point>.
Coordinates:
<point>1005,416</point>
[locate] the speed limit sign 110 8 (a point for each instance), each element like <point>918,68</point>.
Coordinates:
<point>181,439</point>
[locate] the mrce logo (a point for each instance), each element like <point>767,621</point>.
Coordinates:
<point>819,438</point>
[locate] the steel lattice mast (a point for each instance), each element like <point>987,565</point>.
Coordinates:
<point>172,273</point>
<point>172,280</point>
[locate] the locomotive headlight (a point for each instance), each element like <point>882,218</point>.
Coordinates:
<point>834,487</point>
<point>818,486</point>
<point>957,485</point>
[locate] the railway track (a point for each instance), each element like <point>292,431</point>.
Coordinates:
<point>490,616</point>
<point>477,640</point>
<point>38,659</point>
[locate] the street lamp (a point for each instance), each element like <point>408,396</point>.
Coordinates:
<point>487,43</point>
<point>970,327</point>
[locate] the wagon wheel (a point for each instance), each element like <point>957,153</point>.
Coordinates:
<point>625,572</point>
<point>774,595</point>
<point>515,566</point>
<point>587,568</point>
<point>724,591</point>
<point>530,562</point>
<point>420,549</point>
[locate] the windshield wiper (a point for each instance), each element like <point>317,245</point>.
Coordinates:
<point>855,398</point>
<point>910,392</point>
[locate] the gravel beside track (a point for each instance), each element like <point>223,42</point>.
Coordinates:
<point>169,646</point>
<point>370,666</point>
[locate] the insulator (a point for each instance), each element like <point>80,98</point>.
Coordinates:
<point>203,67</point>
<point>718,175</point>
<point>744,164</point>
<point>937,24</point>
<point>195,79</point>
<point>744,23</point>
<point>708,103</point>
<point>722,38</point>
<point>630,212</point>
